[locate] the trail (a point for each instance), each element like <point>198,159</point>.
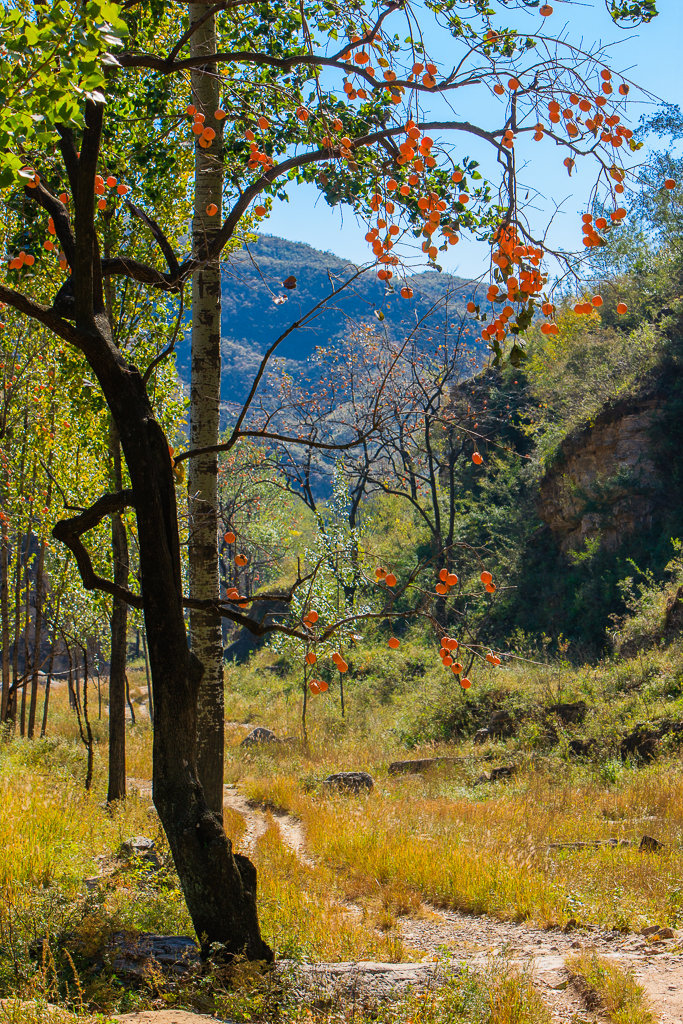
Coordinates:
<point>656,964</point>
<point>475,940</point>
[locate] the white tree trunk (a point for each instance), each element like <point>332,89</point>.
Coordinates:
<point>205,627</point>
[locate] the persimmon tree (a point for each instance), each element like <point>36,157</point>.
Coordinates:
<point>343,96</point>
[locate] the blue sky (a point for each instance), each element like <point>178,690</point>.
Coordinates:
<point>651,56</point>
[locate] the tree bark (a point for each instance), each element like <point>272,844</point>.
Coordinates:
<point>150,698</point>
<point>4,617</point>
<point>37,637</point>
<point>119,627</point>
<point>206,636</point>
<point>50,668</point>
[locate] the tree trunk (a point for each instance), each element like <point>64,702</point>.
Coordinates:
<point>37,637</point>
<point>50,668</point>
<point>4,617</point>
<point>150,698</point>
<point>219,887</point>
<point>206,639</point>
<point>14,690</point>
<point>27,625</point>
<point>119,627</point>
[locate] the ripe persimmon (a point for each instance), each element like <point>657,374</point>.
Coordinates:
<point>230,537</point>
<point>622,308</point>
<point>465,683</point>
<point>211,210</point>
<point>390,579</point>
<point>311,658</point>
<point>240,560</point>
<point>394,642</point>
<point>312,617</point>
<point>260,211</point>
<point>477,459</point>
<point>486,577</point>
<point>441,589</point>
<point>490,588</point>
<point>443,575</point>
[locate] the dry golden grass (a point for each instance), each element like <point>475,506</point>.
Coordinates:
<point>303,914</point>
<point>611,989</point>
<point>488,849</point>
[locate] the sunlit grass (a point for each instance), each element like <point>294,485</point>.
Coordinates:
<point>611,989</point>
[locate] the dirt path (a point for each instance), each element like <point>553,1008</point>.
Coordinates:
<point>656,964</point>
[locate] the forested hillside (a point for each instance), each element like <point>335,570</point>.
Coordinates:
<point>256,308</point>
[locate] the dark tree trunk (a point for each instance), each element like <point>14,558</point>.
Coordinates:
<point>4,617</point>
<point>219,886</point>
<point>48,681</point>
<point>129,701</point>
<point>37,638</point>
<point>119,628</point>
<point>27,625</point>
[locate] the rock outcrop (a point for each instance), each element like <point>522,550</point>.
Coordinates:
<point>604,482</point>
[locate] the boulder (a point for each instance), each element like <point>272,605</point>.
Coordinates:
<point>259,735</point>
<point>349,782</point>
<point>503,771</point>
<point>648,844</point>
<point>141,848</point>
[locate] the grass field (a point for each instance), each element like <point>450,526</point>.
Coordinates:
<point>447,838</point>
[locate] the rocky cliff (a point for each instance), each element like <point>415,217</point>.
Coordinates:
<point>607,481</point>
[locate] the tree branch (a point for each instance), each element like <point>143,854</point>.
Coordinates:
<point>45,315</point>
<point>70,531</point>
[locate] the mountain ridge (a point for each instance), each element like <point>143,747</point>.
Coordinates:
<point>257,308</point>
